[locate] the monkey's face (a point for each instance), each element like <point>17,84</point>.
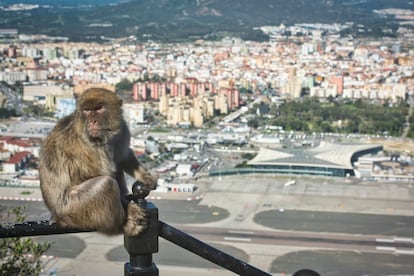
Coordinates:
<point>95,117</point>
<point>101,114</point>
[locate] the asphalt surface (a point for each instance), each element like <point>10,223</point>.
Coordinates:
<point>366,224</point>
<point>340,263</point>
<point>276,228</point>
<point>172,255</point>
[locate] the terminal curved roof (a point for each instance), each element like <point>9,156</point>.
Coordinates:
<point>325,155</point>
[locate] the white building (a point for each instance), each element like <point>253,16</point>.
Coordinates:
<point>184,170</point>
<point>134,113</point>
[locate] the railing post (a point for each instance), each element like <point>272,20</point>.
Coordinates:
<point>141,247</point>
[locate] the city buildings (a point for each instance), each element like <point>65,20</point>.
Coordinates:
<point>321,62</point>
<point>189,83</point>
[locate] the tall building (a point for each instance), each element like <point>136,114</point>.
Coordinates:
<point>12,51</point>
<point>198,118</point>
<point>233,97</point>
<point>174,89</point>
<point>163,104</point>
<point>188,103</point>
<point>398,92</point>
<point>339,82</point>
<point>183,90</point>
<point>294,84</point>
<point>193,89</point>
<point>153,87</point>
<point>135,97</point>
<point>142,91</point>
<point>221,104</point>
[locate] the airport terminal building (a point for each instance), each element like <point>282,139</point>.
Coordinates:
<point>327,159</point>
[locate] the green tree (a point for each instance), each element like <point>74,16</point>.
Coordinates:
<point>254,122</point>
<point>7,113</point>
<point>21,256</point>
<point>124,84</point>
<point>326,127</point>
<point>242,165</point>
<point>248,156</point>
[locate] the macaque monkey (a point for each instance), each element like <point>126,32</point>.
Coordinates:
<point>82,165</point>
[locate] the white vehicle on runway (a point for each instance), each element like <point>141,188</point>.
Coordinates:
<point>290,183</point>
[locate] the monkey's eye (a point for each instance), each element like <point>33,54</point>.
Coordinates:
<point>100,109</point>
<point>86,110</point>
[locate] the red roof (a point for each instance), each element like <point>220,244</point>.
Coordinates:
<point>25,142</point>
<point>6,138</point>
<point>18,157</point>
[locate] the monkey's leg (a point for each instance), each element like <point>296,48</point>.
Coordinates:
<point>94,204</point>
<point>137,220</point>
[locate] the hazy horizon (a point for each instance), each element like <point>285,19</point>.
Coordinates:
<point>61,2</point>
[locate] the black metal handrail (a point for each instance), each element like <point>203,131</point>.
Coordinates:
<point>35,228</point>
<point>165,230</point>
<point>206,251</point>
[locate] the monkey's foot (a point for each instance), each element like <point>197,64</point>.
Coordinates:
<point>137,221</point>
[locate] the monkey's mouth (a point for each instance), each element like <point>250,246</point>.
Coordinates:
<point>96,139</point>
<point>94,132</point>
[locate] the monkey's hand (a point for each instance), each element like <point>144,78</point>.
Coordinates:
<point>149,181</point>
<point>137,220</point>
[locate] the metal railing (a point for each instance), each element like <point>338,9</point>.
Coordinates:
<point>141,248</point>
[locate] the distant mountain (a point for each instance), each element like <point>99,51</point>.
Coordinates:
<point>169,20</point>
<point>61,2</point>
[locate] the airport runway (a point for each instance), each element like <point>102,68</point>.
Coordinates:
<point>324,239</point>
<point>315,239</point>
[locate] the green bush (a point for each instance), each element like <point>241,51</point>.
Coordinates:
<point>21,256</point>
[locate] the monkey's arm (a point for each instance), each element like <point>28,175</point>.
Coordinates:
<point>126,159</point>
<point>133,167</point>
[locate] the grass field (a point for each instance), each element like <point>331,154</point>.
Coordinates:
<point>403,145</point>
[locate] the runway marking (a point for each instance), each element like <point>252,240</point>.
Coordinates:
<point>237,239</point>
<point>385,240</point>
<point>387,248</point>
<point>403,240</point>
<point>407,252</point>
<point>240,232</point>
<point>395,250</point>
<point>396,239</point>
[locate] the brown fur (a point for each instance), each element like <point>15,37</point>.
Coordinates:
<point>82,165</point>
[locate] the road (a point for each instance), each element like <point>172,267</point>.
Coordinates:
<point>408,117</point>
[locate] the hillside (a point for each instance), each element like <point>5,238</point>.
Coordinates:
<point>182,19</point>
